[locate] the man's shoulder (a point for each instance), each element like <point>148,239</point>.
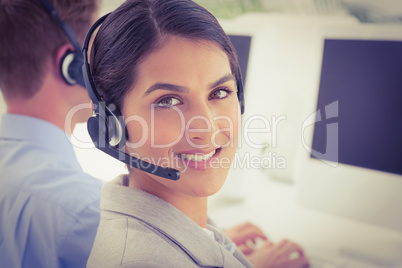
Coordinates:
<point>49,180</point>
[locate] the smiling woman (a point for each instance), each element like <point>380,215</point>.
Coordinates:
<point>173,74</point>
<point>199,94</point>
<point>170,64</point>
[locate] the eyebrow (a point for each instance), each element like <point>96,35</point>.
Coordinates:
<point>224,79</point>
<point>177,88</point>
<point>165,86</point>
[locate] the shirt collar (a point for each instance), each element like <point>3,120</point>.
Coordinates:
<point>40,132</point>
<point>184,233</point>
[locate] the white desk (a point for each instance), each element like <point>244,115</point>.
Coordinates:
<point>271,205</point>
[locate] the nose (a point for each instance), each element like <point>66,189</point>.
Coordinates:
<point>200,126</point>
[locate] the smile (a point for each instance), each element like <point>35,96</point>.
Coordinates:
<point>197,157</point>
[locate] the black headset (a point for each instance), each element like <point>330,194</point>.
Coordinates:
<point>71,62</point>
<point>106,126</point>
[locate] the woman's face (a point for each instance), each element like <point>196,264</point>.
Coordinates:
<point>183,113</point>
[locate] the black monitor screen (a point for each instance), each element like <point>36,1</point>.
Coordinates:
<point>362,80</point>
<point>242,45</point>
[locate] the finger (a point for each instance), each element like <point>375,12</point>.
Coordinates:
<point>258,243</point>
<point>290,250</point>
<point>286,244</point>
<point>240,227</point>
<point>301,262</point>
<point>246,225</point>
<point>245,249</point>
<point>283,243</point>
<point>269,243</point>
<point>242,237</point>
<point>251,228</point>
<point>253,234</point>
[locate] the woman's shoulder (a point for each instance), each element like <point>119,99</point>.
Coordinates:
<point>129,242</point>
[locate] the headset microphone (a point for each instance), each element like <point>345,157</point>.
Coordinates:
<point>97,135</point>
<point>107,128</point>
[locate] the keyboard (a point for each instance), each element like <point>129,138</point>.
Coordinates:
<point>331,261</point>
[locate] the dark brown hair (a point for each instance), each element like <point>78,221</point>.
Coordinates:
<point>136,28</point>
<point>29,36</point>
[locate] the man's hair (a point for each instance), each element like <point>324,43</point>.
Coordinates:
<point>30,36</point>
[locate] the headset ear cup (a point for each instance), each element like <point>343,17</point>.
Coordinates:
<point>66,61</point>
<point>240,92</point>
<point>240,96</point>
<point>96,126</point>
<point>117,131</point>
<point>71,68</point>
<point>108,130</point>
<point>75,69</point>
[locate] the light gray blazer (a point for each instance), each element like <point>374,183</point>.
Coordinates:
<point>138,229</point>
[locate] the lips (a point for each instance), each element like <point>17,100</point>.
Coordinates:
<point>200,160</point>
<point>198,157</point>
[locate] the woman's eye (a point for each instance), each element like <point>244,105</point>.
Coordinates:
<point>220,93</point>
<point>167,102</point>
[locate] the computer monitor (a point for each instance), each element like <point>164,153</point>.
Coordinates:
<point>242,45</point>
<point>351,163</point>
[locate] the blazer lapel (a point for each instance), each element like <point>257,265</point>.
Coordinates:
<point>169,222</point>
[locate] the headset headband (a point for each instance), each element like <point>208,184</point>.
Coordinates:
<point>65,27</point>
<point>86,70</point>
<point>94,95</point>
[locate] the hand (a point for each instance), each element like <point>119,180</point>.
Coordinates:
<point>285,254</point>
<point>245,236</point>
